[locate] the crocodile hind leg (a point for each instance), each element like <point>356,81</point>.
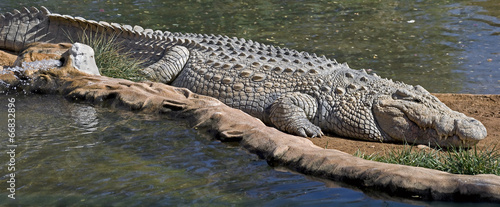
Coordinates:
<point>291,113</point>
<point>169,66</point>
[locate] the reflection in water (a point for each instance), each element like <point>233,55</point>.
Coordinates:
<point>443,45</point>
<point>85,117</point>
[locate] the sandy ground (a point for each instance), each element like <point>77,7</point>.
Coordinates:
<point>485,108</point>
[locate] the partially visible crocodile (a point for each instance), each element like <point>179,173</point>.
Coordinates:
<point>297,92</point>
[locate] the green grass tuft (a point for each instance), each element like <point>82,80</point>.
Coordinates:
<point>453,160</point>
<point>111,57</point>
<point>472,162</point>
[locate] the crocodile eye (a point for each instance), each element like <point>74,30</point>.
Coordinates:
<point>403,94</point>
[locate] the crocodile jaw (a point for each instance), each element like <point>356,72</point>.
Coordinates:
<point>425,120</point>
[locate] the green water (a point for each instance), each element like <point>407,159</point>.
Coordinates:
<point>443,45</point>
<point>80,155</point>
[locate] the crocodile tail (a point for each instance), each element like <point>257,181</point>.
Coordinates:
<point>19,28</point>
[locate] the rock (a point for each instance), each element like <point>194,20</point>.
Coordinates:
<point>423,147</point>
<point>6,59</point>
<point>78,55</point>
<point>42,51</point>
<point>81,57</point>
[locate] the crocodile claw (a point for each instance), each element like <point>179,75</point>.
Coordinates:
<point>312,131</point>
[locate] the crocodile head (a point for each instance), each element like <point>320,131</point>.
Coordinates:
<point>413,115</point>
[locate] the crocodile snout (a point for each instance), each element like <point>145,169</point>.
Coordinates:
<point>464,128</point>
<point>470,129</point>
<point>428,121</point>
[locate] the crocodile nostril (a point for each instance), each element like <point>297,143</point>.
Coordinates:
<point>470,129</point>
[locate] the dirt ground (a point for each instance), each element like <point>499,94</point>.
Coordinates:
<point>485,108</point>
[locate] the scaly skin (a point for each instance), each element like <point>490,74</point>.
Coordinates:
<point>297,92</point>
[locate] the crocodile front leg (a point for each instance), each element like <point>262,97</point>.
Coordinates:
<point>291,113</point>
<point>169,66</point>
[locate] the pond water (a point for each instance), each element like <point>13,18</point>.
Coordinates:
<point>77,154</point>
<point>448,46</point>
<point>70,153</point>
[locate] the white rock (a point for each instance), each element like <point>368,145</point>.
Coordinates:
<point>82,58</point>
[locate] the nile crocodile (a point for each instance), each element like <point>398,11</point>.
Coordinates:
<point>297,92</point>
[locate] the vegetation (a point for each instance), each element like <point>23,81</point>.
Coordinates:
<point>453,160</point>
<point>111,58</point>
